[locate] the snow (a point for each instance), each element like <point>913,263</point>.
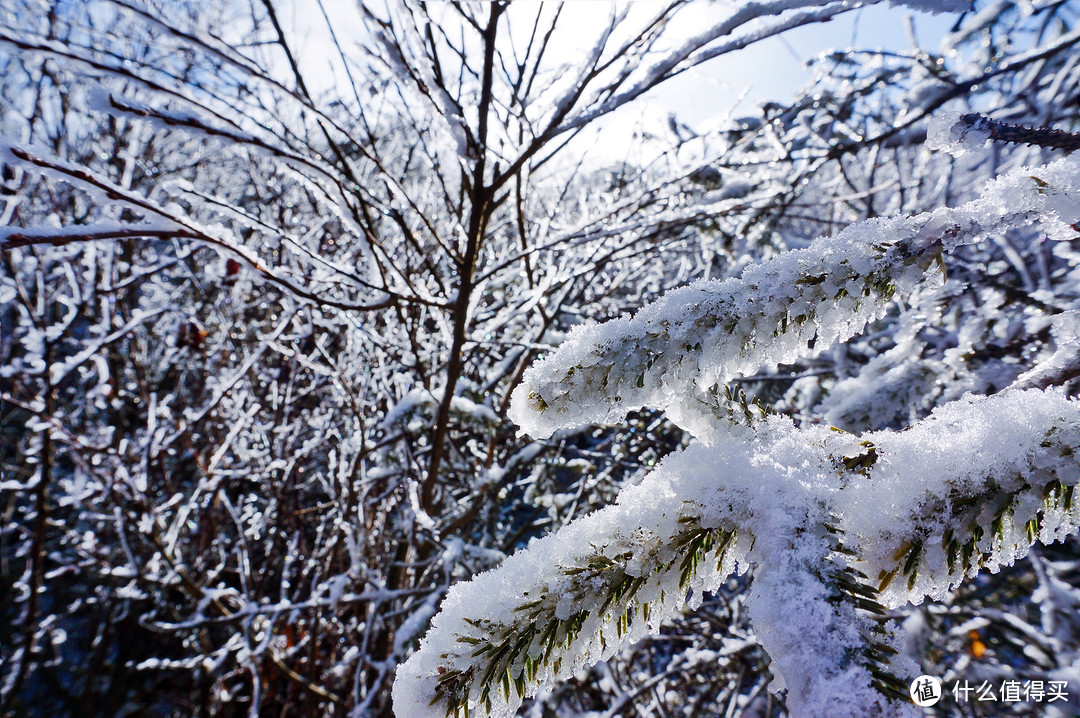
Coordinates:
<point>777,486</point>
<point>934,6</point>
<point>261,472</point>
<point>410,408</point>
<point>416,622</point>
<point>675,353</point>
<point>1002,450</point>
<point>957,133</point>
<point>968,488</point>
<point>1065,361</point>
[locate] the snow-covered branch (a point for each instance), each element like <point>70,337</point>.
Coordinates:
<point>676,353</point>
<point>835,527</point>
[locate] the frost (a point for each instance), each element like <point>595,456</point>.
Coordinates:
<point>835,527</point>
<point>789,499</point>
<point>676,353</point>
<point>957,133</point>
<point>262,313</point>
<point>410,409</point>
<point>934,6</point>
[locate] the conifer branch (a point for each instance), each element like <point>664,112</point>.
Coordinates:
<point>802,501</point>
<point>674,353</point>
<point>966,528</point>
<point>1019,134</point>
<point>852,586</point>
<point>507,661</point>
<point>801,506</point>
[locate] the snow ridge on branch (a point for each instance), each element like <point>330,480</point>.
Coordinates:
<point>883,519</point>
<point>676,353</point>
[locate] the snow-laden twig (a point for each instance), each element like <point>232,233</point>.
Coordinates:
<point>111,193</point>
<point>676,353</point>
<point>884,519</point>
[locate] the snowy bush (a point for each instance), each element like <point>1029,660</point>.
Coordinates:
<point>275,278</point>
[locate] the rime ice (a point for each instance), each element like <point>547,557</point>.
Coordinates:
<point>835,527</point>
